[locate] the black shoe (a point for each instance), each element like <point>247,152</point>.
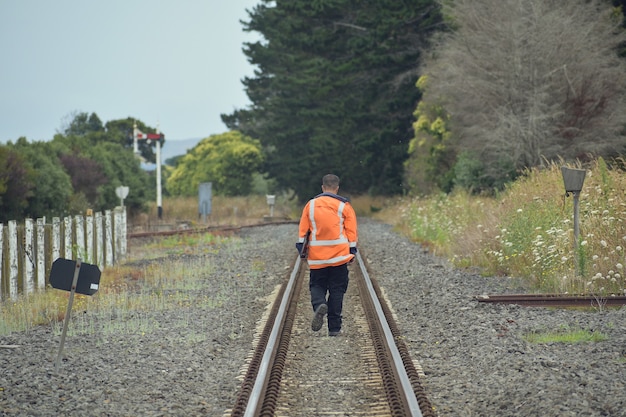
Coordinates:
<point>336,333</point>
<point>318,318</point>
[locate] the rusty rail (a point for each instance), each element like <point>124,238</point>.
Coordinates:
<point>554,300</point>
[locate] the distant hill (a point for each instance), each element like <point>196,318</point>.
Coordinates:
<point>178,147</point>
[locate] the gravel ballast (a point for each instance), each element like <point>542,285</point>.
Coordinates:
<point>187,361</point>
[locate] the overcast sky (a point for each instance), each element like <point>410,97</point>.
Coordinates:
<point>178,63</point>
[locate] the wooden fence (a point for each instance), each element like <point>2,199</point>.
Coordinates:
<point>29,250</point>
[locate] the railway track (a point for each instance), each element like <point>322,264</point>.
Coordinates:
<point>290,372</point>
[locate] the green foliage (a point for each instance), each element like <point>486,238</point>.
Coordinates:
<point>16,184</point>
<point>468,171</point>
<point>121,132</point>
<point>332,90</point>
<point>431,155</point>
<point>82,124</point>
<point>229,161</point>
<point>86,175</point>
<point>471,173</point>
<point>121,167</point>
<point>52,186</point>
<point>101,159</point>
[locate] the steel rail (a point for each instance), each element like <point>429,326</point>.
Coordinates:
<point>253,405</point>
<point>553,300</point>
<point>405,382</point>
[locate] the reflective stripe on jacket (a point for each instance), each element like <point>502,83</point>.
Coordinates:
<point>333,226</point>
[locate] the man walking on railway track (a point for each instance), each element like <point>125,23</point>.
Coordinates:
<point>332,245</point>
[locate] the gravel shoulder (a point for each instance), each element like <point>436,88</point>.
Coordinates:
<point>475,358</point>
<point>186,361</point>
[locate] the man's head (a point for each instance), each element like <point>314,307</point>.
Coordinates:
<point>330,183</point>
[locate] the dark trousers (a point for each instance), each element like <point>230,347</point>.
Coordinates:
<point>333,281</point>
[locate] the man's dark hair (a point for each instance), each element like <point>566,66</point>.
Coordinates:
<point>330,181</point>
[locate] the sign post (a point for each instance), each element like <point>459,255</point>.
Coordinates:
<point>85,279</point>
<point>121,192</point>
<point>271,200</point>
<point>573,180</point>
<point>204,199</point>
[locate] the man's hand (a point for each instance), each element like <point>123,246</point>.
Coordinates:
<point>353,251</point>
<point>299,246</point>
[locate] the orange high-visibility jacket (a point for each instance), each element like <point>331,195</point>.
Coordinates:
<point>332,222</point>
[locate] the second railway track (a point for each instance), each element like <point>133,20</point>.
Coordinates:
<point>366,371</point>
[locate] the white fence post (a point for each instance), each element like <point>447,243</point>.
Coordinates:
<point>124,234</point>
<point>89,235</point>
<point>41,253</point>
<point>99,240</point>
<point>108,237</point>
<point>67,223</point>
<point>55,238</point>
<point>120,233</point>
<point>79,227</point>
<point>13,269</point>
<point>28,259</point>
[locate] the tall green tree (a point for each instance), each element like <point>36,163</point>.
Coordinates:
<point>52,187</point>
<point>334,90</point>
<point>228,160</point>
<point>100,160</point>
<point>122,168</point>
<point>16,184</point>
<point>121,131</point>
<point>83,123</point>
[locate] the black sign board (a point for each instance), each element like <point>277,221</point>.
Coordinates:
<point>62,276</point>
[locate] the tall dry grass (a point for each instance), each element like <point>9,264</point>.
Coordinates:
<point>527,230</point>
<point>225,211</point>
